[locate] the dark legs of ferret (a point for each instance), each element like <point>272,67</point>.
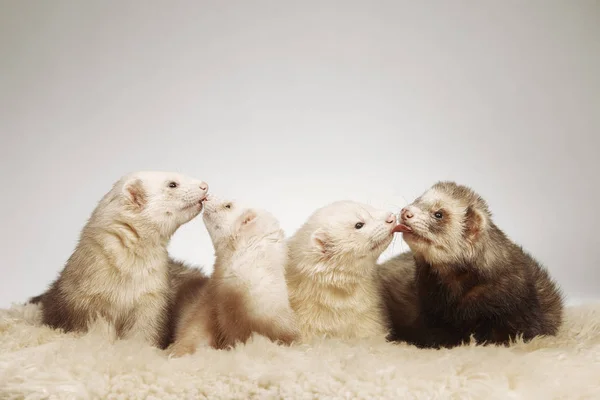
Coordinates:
<point>423,335</point>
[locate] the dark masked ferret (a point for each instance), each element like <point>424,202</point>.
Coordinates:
<point>471,279</point>
<point>247,291</point>
<point>120,267</point>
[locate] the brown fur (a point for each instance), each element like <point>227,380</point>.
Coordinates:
<point>36,299</point>
<point>66,306</point>
<point>185,282</point>
<point>476,284</point>
<point>398,289</point>
<point>216,314</point>
<point>235,324</point>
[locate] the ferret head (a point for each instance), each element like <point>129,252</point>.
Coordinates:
<point>163,201</point>
<point>344,232</point>
<point>445,224</point>
<point>231,225</point>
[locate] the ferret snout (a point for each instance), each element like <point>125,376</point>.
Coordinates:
<point>204,187</point>
<point>406,213</point>
<point>390,219</point>
<point>209,204</point>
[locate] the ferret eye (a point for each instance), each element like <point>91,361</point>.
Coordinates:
<point>173,184</point>
<point>359,225</point>
<point>228,205</point>
<point>438,215</point>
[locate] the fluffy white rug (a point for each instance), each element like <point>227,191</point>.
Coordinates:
<point>37,362</point>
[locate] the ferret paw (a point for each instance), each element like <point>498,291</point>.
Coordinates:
<point>180,350</point>
<point>288,338</point>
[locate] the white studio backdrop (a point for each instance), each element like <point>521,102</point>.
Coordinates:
<point>292,105</point>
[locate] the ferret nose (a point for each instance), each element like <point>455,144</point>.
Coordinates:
<point>406,214</point>
<point>203,186</point>
<point>391,219</point>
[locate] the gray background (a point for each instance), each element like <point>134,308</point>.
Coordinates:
<point>291,105</point>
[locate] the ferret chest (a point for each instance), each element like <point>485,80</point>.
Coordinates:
<point>441,291</point>
<point>126,287</point>
<point>260,275</point>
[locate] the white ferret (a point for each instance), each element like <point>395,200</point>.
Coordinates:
<point>331,271</point>
<point>247,291</point>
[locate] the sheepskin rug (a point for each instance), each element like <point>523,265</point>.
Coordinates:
<point>37,362</point>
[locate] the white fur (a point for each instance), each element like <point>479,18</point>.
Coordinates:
<point>331,271</point>
<point>143,262</point>
<point>167,209</point>
<point>37,362</point>
<point>254,253</point>
<point>122,255</point>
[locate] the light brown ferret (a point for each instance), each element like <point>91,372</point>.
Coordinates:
<point>247,291</point>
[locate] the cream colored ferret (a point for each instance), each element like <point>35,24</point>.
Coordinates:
<point>247,291</point>
<point>331,271</point>
<point>120,267</point>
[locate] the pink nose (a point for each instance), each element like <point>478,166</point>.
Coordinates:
<point>406,214</point>
<point>391,219</point>
<point>204,186</point>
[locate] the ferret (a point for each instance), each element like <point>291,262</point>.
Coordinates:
<point>184,282</point>
<point>120,267</point>
<point>398,289</point>
<point>471,279</point>
<point>182,274</point>
<point>331,271</point>
<point>247,291</point>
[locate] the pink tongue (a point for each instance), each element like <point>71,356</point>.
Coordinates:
<point>402,228</point>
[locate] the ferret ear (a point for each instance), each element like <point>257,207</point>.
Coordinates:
<point>320,240</point>
<point>474,223</point>
<point>136,194</point>
<point>247,218</point>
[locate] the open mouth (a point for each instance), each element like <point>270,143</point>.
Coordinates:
<point>409,234</point>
